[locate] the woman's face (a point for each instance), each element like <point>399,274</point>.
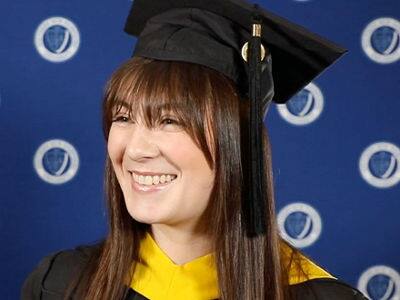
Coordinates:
<point>163,175</point>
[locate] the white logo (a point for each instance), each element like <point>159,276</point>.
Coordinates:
<point>56,161</point>
<point>299,224</point>
<point>380,40</point>
<point>57,39</point>
<point>380,283</point>
<point>380,164</point>
<point>304,107</point>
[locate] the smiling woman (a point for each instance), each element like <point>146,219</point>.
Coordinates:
<point>164,175</point>
<point>188,175</point>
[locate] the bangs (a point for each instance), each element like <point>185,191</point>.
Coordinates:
<point>143,94</point>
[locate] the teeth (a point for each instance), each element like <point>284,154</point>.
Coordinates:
<point>153,180</point>
<point>148,180</point>
<point>141,179</point>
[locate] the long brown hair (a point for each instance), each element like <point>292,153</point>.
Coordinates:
<point>211,111</point>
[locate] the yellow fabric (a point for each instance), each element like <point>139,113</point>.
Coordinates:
<point>296,274</point>
<point>157,277</point>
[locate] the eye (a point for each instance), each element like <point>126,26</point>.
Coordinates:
<point>170,124</point>
<point>121,119</point>
<point>169,121</point>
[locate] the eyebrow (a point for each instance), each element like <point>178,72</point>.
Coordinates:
<point>123,103</point>
<point>126,105</point>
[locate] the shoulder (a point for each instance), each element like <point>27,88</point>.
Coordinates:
<point>310,281</point>
<point>325,289</point>
<point>55,271</point>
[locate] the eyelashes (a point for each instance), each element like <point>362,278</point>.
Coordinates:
<point>163,121</point>
<point>122,119</point>
<point>169,121</point>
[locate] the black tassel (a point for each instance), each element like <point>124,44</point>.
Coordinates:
<point>257,195</point>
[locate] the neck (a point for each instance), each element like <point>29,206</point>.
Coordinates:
<point>181,246</point>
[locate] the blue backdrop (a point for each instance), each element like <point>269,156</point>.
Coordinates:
<point>336,152</point>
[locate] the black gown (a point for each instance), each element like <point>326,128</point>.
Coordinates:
<point>50,278</point>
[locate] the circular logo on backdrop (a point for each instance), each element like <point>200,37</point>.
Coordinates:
<point>56,161</point>
<point>57,39</point>
<point>380,164</point>
<point>380,40</point>
<point>304,107</point>
<point>300,224</point>
<point>380,283</point>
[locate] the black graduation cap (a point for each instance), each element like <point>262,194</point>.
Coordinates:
<point>268,57</point>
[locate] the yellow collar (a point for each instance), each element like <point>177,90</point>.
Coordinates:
<point>296,274</point>
<point>156,277</point>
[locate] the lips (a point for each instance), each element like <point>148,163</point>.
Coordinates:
<point>151,173</point>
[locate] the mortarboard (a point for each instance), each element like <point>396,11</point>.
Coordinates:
<point>242,41</point>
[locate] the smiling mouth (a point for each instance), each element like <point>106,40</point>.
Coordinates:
<point>147,182</point>
<point>153,180</point>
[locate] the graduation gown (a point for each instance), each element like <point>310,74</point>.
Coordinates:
<point>159,278</point>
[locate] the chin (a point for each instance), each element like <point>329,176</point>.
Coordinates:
<point>145,219</point>
<point>144,215</point>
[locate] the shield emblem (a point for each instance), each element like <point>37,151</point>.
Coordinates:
<point>385,39</point>
<point>380,287</point>
<point>298,225</point>
<point>56,161</point>
<point>382,164</point>
<point>301,103</point>
<point>57,39</point>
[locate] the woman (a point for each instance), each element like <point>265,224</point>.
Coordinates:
<point>178,176</point>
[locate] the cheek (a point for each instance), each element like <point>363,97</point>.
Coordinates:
<point>195,165</point>
<point>197,176</point>
<point>187,156</point>
<point>115,149</point>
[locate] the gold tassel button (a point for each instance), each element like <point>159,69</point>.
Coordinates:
<point>245,50</point>
<point>256,30</point>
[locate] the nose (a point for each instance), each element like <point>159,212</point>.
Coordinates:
<point>142,145</point>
